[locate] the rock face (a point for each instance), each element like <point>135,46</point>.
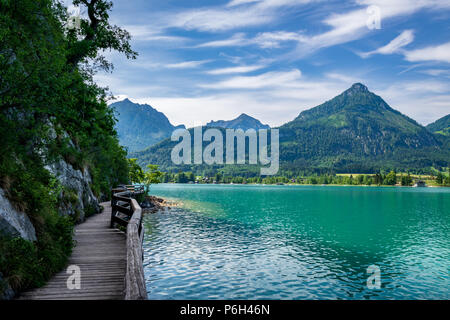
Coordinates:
<point>81,198</point>
<point>140,125</point>
<point>14,223</point>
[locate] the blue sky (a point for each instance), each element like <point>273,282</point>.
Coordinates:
<point>203,60</point>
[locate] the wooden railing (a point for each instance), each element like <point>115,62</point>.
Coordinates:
<point>126,212</point>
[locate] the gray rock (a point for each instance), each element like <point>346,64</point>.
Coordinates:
<point>79,183</point>
<point>14,223</point>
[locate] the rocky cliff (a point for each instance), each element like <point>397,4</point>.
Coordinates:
<point>77,198</point>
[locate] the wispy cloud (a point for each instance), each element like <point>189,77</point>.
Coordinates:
<point>231,70</point>
<point>233,15</point>
<point>394,46</point>
<point>170,65</point>
<point>436,72</point>
<point>145,33</point>
<point>263,40</point>
<point>186,64</point>
<point>274,39</point>
<point>239,2</point>
<point>236,40</point>
<point>258,47</point>
<point>269,79</point>
<point>439,53</point>
<point>352,25</point>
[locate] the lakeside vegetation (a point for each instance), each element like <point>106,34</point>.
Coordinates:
<point>379,179</point>
<point>52,110</point>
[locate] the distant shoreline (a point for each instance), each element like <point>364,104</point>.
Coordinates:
<point>303,184</point>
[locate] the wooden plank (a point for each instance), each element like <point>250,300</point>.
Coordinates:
<point>100,252</point>
<point>110,261</point>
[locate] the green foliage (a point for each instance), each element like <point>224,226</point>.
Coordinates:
<point>151,176</point>
<point>440,126</point>
<point>50,108</point>
<point>97,34</point>
<point>25,264</point>
<point>136,173</point>
<point>440,178</point>
<point>406,180</point>
<point>390,179</point>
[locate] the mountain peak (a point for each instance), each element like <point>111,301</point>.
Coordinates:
<point>126,100</point>
<point>357,88</point>
<point>140,125</point>
<point>244,121</point>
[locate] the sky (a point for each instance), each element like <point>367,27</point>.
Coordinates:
<point>209,60</point>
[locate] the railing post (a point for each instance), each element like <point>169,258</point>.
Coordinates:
<point>134,276</point>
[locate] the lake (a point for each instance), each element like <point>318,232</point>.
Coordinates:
<point>298,242</point>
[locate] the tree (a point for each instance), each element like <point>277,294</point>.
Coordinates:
<point>440,178</point>
<point>151,176</point>
<point>97,34</point>
<point>361,179</point>
<point>390,179</point>
<point>378,179</point>
<point>136,173</point>
<point>406,180</point>
<point>51,110</point>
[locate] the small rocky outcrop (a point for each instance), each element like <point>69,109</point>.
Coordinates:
<point>14,223</point>
<point>152,204</point>
<point>78,198</point>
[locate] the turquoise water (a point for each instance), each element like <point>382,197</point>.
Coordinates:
<point>298,242</point>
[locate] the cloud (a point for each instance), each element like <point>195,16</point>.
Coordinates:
<point>274,106</point>
<point>186,64</point>
<point>269,79</point>
<point>274,39</point>
<point>169,65</point>
<point>439,53</point>
<point>394,46</point>
<point>231,16</point>
<point>436,72</point>
<point>423,100</point>
<point>352,25</point>
<point>278,97</point>
<point>236,40</point>
<point>239,2</point>
<point>145,33</point>
<point>231,70</point>
<point>343,78</point>
<point>343,27</point>
<point>263,40</point>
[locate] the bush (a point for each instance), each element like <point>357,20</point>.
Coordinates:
<point>25,264</point>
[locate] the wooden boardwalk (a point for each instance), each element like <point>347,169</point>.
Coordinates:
<point>101,255</point>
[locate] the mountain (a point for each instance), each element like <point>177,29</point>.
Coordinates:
<point>355,122</point>
<point>440,126</point>
<point>357,131</point>
<point>243,122</point>
<point>140,125</point>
